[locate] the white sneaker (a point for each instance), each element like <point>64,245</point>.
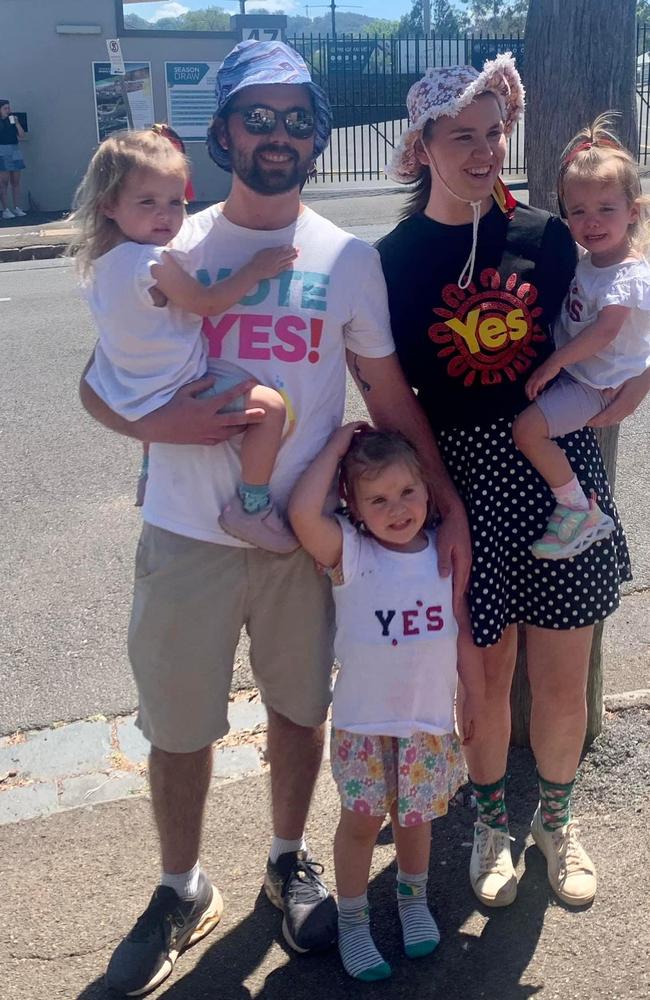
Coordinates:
<point>18,212</point>
<point>490,869</point>
<point>571,872</point>
<point>8,214</point>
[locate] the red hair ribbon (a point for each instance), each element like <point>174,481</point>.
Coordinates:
<point>588,144</point>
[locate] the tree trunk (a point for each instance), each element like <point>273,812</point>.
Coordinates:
<point>576,68</point>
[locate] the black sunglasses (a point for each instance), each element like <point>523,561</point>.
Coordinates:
<point>260,120</point>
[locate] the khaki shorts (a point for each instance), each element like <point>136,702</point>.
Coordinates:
<point>190,601</point>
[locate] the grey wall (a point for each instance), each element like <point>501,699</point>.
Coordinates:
<point>49,76</point>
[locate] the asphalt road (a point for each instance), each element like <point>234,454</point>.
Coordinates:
<point>68,525</point>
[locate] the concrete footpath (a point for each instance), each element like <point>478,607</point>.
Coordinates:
<point>73,884</point>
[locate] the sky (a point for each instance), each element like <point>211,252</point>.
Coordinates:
<point>391,9</point>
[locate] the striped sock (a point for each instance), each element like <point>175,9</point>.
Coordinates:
<point>357,949</point>
<point>421,934</point>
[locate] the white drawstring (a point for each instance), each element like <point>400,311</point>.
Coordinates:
<point>468,270</point>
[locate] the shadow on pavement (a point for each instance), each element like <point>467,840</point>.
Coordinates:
<point>483,954</point>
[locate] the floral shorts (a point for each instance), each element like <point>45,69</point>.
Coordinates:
<point>419,773</point>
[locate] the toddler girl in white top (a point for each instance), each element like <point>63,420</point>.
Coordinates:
<point>394,749</point>
<point>602,335</point>
<point>148,311</point>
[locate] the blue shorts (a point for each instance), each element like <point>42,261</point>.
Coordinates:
<point>11,158</point>
<point>227,376</point>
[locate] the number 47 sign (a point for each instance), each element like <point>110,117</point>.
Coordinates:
<point>262,34</point>
<point>261,27</point>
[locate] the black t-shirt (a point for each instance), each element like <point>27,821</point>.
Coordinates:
<point>469,353</point>
<point>8,133</point>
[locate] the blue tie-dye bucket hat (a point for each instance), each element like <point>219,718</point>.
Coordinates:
<point>252,64</point>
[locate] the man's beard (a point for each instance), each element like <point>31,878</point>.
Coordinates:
<point>264,178</point>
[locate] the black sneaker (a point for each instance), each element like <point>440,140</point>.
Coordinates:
<point>167,927</point>
<point>292,884</point>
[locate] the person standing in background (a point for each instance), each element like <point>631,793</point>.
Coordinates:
<point>11,160</point>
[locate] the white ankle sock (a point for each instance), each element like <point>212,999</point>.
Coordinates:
<point>421,934</point>
<point>571,495</point>
<point>280,846</point>
<point>185,884</point>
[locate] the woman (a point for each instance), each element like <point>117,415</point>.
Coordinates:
<point>11,161</point>
<point>474,279</point>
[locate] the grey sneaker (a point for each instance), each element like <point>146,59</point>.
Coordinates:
<point>264,529</point>
<point>293,884</point>
<point>167,927</point>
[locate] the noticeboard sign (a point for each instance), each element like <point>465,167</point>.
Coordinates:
<point>190,97</point>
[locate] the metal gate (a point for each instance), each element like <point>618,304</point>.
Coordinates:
<point>367,78</point>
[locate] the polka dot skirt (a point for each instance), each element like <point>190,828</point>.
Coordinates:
<point>508,506</point>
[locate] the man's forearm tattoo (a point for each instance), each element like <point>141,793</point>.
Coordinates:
<point>365,386</point>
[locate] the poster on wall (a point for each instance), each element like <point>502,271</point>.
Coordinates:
<point>124,101</point>
<point>190,97</point>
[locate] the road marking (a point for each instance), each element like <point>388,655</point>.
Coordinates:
<point>5,300</point>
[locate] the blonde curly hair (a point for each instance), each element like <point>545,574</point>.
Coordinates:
<point>596,153</point>
<point>115,159</point>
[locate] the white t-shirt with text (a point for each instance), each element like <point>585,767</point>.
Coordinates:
<point>291,333</point>
<point>396,640</point>
<point>593,288</point>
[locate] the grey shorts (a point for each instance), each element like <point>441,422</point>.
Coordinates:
<point>568,405</point>
<point>190,601</point>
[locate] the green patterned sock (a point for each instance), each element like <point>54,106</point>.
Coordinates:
<point>491,804</point>
<point>555,803</point>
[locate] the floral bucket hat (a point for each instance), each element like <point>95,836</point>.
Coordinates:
<point>444,91</point>
<point>252,63</point>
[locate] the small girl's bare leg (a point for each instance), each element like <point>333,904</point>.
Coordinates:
<point>261,442</point>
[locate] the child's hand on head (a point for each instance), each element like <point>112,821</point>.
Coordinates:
<point>268,263</point>
<point>341,439</point>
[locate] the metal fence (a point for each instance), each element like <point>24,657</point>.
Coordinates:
<point>367,78</point>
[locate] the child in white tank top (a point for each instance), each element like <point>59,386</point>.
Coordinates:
<point>401,650</point>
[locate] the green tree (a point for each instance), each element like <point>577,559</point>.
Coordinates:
<point>381,26</point>
<point>496,16</point>
<point>136,23</point>
<point>643,10</point>
<point>412,23</point>
<point>444,20</point>
<point>210,19</point>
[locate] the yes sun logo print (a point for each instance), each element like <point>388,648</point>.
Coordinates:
<point>489,331</point>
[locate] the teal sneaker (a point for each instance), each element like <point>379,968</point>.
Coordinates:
<point>570,532</point>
